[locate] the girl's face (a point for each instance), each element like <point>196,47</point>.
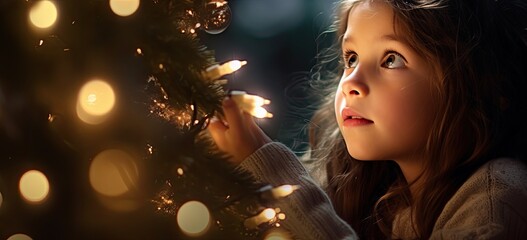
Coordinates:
<point>383,103</point>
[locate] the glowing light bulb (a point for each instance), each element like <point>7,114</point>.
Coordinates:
<point>269,213</point>
<point>241,97</point>
<point>113,172</point>
<point>236,64</point>
<point>283,191</point>
<point>266,215</point>
<point>34,186</point>
<point>43,14</point>
<point>251,104</point>
<point>124,8</point>
<point>216,71</point>
<point>260,112</point>
<point>193,218</point>
<point>19,236</point>
<point>96,99</point>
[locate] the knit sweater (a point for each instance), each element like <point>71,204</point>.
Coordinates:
<point>491,204</point>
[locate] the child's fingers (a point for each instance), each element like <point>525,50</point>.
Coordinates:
<point>249,120</point>
<point>217,130</point>
<point>257,132</point>
<point>234,117</point>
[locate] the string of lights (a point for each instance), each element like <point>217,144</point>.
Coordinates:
<point>116,96</point>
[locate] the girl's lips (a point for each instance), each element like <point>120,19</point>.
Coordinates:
<point>350,118</point>
<point>354,122</point>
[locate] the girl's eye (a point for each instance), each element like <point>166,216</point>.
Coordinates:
<point>394,60</point>
<point>351,59</point>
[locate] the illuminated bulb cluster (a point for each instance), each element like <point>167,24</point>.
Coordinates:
<point>213,17</point>
<point>216,71</point>
<point>269,215</point>
<point>188,22</point>
<point>216,16</point>
<point>164,200</point>
<point>251,104</point>
<point>265,216</point>
<point>180,118</point>
<point>283,191</point>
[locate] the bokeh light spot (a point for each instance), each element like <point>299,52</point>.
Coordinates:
<point>193,218</point>
<point>34,186</point>
<point>269,213</point>
<point>124,8</point>
<point>277,234</point>
<point>113,172</point>
<point>43,14</point>
<point>19,236</point>
<point>96,99</point>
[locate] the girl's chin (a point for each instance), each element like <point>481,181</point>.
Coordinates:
<point>361,155</point>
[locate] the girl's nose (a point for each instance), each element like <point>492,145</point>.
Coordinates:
<point>354,84</point>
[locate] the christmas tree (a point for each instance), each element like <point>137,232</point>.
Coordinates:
<point>103,137</point>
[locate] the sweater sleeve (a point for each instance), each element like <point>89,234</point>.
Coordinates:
<point>309,213</point>
<point>489,205</point>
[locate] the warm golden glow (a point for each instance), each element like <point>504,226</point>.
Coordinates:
<point>251,104</point>
<point>235,65</point>
<point>193,218</point>
<point>113,172</point>
<point>266,215</point>
<point>124,8</point>
<point>269,213</point>
<point>216,71</point>
<point>220,3</point>
<point>43,14</point>
<point>96,99</point>
<point>277,234</point>
<point>19,236</point>
<point>283,191</point>
<point>241,98</point>
<point>34,186</point>
<point>260,112</point>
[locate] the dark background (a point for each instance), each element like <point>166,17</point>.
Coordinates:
<point>278,38</point>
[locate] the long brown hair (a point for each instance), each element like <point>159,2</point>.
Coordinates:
<point>479,52</point>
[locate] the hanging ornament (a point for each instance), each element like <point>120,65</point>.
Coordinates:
<point>216,16</point>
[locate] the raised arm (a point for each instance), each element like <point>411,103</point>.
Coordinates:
<point>309,213</point>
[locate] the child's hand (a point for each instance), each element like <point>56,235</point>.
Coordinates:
<point>239,136</point>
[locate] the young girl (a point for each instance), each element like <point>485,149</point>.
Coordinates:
<point>422,137</point>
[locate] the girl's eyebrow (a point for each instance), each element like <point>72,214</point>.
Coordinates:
<point>387,37</point>
<point>391,37</point>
